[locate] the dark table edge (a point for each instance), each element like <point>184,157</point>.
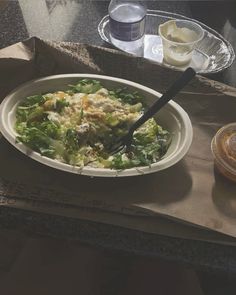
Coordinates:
<point>203,256</point>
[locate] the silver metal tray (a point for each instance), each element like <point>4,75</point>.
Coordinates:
<point>212,55</point>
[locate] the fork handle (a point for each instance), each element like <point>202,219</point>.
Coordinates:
<point>176,87</point>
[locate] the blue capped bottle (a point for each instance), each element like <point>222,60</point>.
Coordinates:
<point>127,25</point>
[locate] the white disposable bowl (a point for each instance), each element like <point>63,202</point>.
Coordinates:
<point>172,117</point>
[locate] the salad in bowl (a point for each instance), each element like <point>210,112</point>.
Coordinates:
<point>77,126</point>
<point>70,121</point>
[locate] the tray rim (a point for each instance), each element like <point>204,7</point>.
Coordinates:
<point>170,14</point>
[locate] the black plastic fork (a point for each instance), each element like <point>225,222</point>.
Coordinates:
<point>124,143</point>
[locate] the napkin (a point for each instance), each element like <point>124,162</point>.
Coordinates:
<point>189,200</point>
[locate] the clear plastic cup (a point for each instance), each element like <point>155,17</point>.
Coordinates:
<point>223,148</point>
<point>179,38</point>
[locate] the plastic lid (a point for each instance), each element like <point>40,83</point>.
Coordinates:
<point>224,150</point>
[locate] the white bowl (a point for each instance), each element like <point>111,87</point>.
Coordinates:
<point>172,117</point>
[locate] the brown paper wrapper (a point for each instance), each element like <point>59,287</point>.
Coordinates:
<point>191,192</point>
